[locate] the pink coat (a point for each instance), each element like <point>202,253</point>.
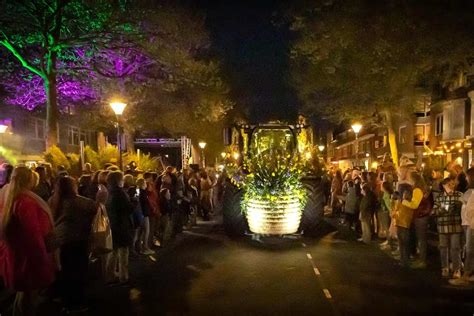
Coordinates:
<point>25,264</point>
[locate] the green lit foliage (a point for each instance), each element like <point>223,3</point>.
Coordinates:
<point>7,155</point>
<point>145,162</point>
<point>55,156</point>
<point>92,157</point>
<point>108,154</point>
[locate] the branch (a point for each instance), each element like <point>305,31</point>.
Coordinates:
<point>22,60</point>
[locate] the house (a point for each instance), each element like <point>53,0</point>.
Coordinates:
<point>26,133</point>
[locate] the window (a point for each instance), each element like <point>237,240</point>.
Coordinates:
<point>439,124</point>
<point>402,134</point>
<point>73,135</point>
<point>38,128</point>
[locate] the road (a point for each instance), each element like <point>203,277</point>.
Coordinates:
<point>205,273</point>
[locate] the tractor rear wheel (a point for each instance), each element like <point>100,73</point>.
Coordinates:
<point>312,221</point>
<point>235,223</point>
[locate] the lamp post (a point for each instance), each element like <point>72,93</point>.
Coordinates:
<point>356,127</point>
<point>118,108</point>
<point>202,145</point>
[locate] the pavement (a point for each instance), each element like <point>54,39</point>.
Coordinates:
<point>205,273</point>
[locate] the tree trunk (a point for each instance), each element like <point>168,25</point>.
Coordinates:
<point>50,86</point>
<point>129,139</point>
<point>392,138</point>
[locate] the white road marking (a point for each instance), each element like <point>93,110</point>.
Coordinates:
<point>303,244</point>
<point>327,294</point>
<point>309,256</point>
<point>316,271</point>
<point>152,258</point>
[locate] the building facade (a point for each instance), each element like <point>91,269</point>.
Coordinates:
<point>26,133</point>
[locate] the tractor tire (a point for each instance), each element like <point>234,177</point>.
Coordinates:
<point>235,223</point>
<point>312,221</point>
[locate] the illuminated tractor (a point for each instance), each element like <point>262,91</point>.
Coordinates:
<point>274,190</point>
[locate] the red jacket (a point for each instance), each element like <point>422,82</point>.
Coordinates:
<point>25,263</point>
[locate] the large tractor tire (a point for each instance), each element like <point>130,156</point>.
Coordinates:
<point>235,223</point>
<point>312,221</point>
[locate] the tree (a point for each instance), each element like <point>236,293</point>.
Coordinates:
<point>167,71</point>
<point>41,35</point>
<point>372,60</point>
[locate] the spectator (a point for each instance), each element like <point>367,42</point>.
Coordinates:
<point>6,171</point>
<point>27,242</point>
<point>86,188</point>
<point>166,213</point>
<point>119,209</point>
<point>153,201</point>
<point>368,205</point>
<point>137,217</point>
<point>421,204</point>
<point>206,186</point>
<point>336,192</point>
<point>73,215</point>
<point>43,189</point>
<point>467,216</point>
<point>145,208</point>
<point>352,201</point>
<point>385,211</point>
<point>447,208</point>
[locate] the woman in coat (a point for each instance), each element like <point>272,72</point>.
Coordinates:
<point>119,209</point>
<point>26,245</point>
<point>73,215</point>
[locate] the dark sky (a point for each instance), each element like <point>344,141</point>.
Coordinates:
<point>254,53</point>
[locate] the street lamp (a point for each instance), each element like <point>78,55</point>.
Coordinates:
<point>118,108</point>
<point>321,148</point>
<point>356,127</point>
<point>202,145</point>
<point>223,155</point>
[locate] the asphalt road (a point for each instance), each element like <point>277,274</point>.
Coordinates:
<point>205,273</point>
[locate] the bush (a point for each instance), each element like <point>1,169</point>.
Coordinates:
<point>92,157</point>
<point>56,157</point>
<point>108,154</point>
<point>145,162</point>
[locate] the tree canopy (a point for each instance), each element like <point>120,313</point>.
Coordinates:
<point>73,53</point>
<point>360,59</point>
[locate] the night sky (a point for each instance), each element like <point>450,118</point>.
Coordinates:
<point>254,54</point>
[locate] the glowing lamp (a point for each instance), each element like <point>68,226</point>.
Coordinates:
<point>236,155</point>
<point>3,128</point>
<point>356,127</point>
<point>118,107</point>
<point>374,165</point>
<point>321,147</point>
<point>202,145</point>
<point>307,155</point>
<point>223,155</point>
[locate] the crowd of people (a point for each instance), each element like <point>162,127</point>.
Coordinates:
<point>54,225</point>
<point>399,206</point>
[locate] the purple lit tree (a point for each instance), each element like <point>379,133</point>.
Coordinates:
<point>40,36</point>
